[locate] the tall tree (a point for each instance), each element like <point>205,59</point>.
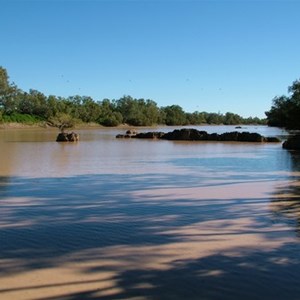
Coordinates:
<point>285,111</point>
<point>33,103</point>
<point>174,115</point>
<point>8,93</point>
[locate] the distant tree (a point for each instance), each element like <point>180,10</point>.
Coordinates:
<point>9,93</point>
<point>108,114</point>
<point>90,110</point>
<point>127,107</point>
<point>214,118</point>
<point>174,115</point>
<point>195,118</point>
<point>33,103</point>
<point>254,120</point>
<point>232,119</point>
<point>52,106</point>
<point>138,112</point>
<point>151,112</point>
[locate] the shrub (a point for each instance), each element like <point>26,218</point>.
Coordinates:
<point>21,118</point>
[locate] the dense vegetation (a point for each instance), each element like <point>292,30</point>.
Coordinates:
<point>285,111</point>
<point>33,106</point>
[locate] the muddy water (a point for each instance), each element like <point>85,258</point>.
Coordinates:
<point>122,219</point>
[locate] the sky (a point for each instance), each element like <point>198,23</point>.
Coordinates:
<point>204,55</point>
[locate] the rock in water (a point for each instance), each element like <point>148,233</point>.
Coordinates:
<point>67,137</point>
<point>292,143</point>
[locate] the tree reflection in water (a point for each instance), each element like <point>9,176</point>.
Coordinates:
<point>286,200</point>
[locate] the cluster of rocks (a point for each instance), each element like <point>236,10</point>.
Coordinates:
<point>190,134</point>
<point>67,137</point>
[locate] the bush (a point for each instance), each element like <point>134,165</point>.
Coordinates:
<point>21,118</point>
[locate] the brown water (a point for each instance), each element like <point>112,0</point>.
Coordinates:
<point>136,219</point>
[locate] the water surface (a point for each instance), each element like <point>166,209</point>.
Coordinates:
<point>118,219</point>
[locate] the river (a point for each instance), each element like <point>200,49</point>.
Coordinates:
<point>109,218</point>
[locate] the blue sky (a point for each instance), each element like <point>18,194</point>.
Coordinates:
<point>213,56</point>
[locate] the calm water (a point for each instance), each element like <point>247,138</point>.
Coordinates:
<point>154,219</point>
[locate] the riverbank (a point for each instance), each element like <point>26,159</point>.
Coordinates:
<point>15,125</point>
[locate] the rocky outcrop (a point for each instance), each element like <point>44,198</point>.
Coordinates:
<point>190,134</point>
<point>123,136</point>
<point>185,135</point>
<point>292,143</point>
<point>142,135</point>
<point>195,135</point>
<point>67,137</point>
<point>129,134</point>
<point>149,135</point>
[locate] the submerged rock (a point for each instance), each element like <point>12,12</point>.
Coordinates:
<point>67,137</point>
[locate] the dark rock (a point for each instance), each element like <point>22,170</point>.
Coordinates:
<point>273,139</point>
<point>250,137</point>
<point>230,136</point>
<point>124,136</point>
<point>131,132</point>
<point>149,135</point>
<point>213,137</point>
<point>190,134</point>
<point>67,137</point>
<point>292,143</point>
<point>186,135</point>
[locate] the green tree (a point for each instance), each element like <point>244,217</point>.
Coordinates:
<point>285,110</point>
<point>138,112</point>
<point>195,118</point>
<point>63,121</point>
<point>151,112</point>
<point>52,106</point>
<point>174,115</point>
<point>127,107</point>
<point>33,103</point>
<point>90,110</point>
<point>232,119</point>
<point>9,93</point>
<point>214,118</point>
<point>108,114</point>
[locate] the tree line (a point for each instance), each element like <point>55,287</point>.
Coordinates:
<point>33,106</point>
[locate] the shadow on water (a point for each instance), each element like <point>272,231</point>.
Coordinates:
<point>213,277</point>
<point>53,217</point>
<point>46,221</point>
<point>286,200</point>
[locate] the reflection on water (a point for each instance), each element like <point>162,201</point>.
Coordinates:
<point>120,219</point>
<point>286,200</point>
